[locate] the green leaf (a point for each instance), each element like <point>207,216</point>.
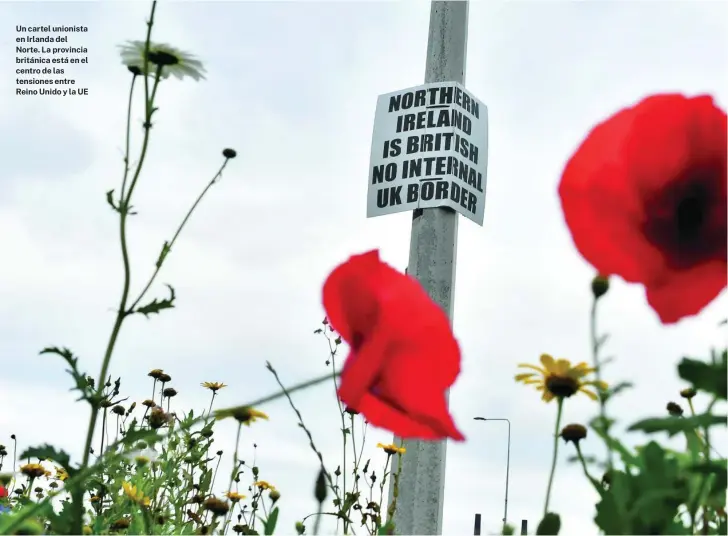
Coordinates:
<point>110,200</point>
<point>387,528</point>
<point>49,452</point>
<point>707,377</point>
<point>629,459</point>
<point>61,522</point>
<point>713,467</point>
<point>133,435</point>
<point>137,523</point>
<point>84,384</point>
<point>550,525</point>
<point>676,425</point>
<point>615,390</point>
<point>163,254</point>
<point>99,525</point>
<point>608,516</point>
<point>270,523</point>
<point>156,306</point>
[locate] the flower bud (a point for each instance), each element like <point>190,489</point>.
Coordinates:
<point>599,286</point>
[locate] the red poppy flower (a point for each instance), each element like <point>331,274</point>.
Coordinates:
<point>3,492</point>
<point>644,197</point>
<point>403,354</point>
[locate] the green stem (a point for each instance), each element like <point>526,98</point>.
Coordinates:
<point>233,473</point>
<point>121,314</point>
<point>555,457</point>
<point>317,521</point>
<point>209,410</point>
<point>332,351</point>
<point>591,479</point>
<point>598,375</point>
<point>168,247</point>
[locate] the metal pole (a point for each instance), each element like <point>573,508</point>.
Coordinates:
<point>476,528</point>
<point>524,527</point>
<point>432,260</point>
<point>508,470</point>
<point>508,467</point>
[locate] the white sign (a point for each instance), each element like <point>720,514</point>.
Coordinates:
<point>429,149</point>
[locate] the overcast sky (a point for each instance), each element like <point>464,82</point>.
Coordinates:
<point>293,87</point>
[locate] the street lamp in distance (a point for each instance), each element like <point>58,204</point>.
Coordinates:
<point>508,465</point>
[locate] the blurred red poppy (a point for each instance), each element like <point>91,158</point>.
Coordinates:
<point>644,197</point>
<point>403,356</point>
<point>3,491</point>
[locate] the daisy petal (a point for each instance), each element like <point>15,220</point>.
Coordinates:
<point>548,362</point>
<point>521,377</point>
<point>533,367</point>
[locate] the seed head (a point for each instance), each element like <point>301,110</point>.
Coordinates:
<point>674,409</point>
<point>217,506</point>
<point>149,403</point>
<point>229,153</point>
<point>120,524</point>
<point>573,433</point>
<point>157,372</point>
<point>119,410</point>
<point>157,418</point>
<point>688,393</point>
<point>169,392</point>
<point>599,286</point>
<point>136,71</point>
<point>165,378</point>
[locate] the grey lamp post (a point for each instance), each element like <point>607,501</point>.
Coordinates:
<point>508,465</point>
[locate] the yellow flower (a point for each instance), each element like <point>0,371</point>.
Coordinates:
<point>243,414</point>
<point>34,470</point>
<point>559,379</point>
<point>213,386</point>
<point>234,496</point>
<point>61,474</point>
<point>135,494</point>
<point>391,448</point>
<point>262,484</point>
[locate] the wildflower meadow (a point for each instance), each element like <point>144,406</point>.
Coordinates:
<point>644,200</point>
